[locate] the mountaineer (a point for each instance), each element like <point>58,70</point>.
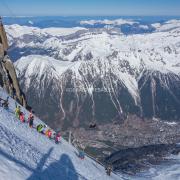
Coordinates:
<point>22,117</point>
<point>48,133</point>
<point>57,137</point>
<point>17,111</point>
<point>40,128</point>
<point>31,121</point>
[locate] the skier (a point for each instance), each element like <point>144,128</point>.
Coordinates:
<point>57,137</point>
<point>17,111</point>
<point>21,117</point>
<point>31,121</point>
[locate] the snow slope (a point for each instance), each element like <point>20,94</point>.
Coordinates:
<point>26,154</point>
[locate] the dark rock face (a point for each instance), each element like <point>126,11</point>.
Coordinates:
<point>135,159</point>
<point>160,95</point>
<point>43,103</point>
<point>69,106</point>
<point>8,78</point>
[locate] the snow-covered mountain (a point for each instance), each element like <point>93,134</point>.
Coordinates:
<point>127,86</point>
<point>92,60</point>
<point>84,76</point>
<point>27,154</point>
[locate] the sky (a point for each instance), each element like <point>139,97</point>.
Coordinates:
<point>89,7</point>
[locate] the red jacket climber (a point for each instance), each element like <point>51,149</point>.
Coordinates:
<point>57,138</point>
<point>21,117</point>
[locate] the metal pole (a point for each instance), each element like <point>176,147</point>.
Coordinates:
<point>70,137</point>
<point>0,20</point>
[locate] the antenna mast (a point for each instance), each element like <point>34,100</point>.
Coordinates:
<point>1,20</point>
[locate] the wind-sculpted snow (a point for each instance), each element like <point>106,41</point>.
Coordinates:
<point>26,154</point>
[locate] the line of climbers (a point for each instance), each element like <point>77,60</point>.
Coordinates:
<point>43,129</point>
<point>40,128</point>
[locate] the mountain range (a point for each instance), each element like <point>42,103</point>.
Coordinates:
<point>81,76</point>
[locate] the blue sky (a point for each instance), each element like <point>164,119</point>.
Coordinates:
<point>90,7</point>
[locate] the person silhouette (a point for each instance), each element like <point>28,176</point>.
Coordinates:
<point>62,169</point>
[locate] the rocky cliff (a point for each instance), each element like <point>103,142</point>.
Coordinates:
<point>8,77</point>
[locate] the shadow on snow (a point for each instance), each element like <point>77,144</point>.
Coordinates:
<point>63,169</point>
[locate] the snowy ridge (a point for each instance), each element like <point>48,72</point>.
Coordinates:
<point>30,155</point>
<point>125,56</point>
<point>157,51</point>
<point>17,31</point>
<point>40,64</point>
<point>167,26</point>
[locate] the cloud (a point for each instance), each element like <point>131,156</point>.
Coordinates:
<point>108,22</point>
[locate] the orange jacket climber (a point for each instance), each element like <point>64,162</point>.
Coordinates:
<point>48,133</point>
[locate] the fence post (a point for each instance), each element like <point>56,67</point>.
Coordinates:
<point>70,137</point>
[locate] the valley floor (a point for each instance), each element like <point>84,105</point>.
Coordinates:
<point>133,133</point>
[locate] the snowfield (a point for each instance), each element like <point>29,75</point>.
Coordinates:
<point>26,154</point>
